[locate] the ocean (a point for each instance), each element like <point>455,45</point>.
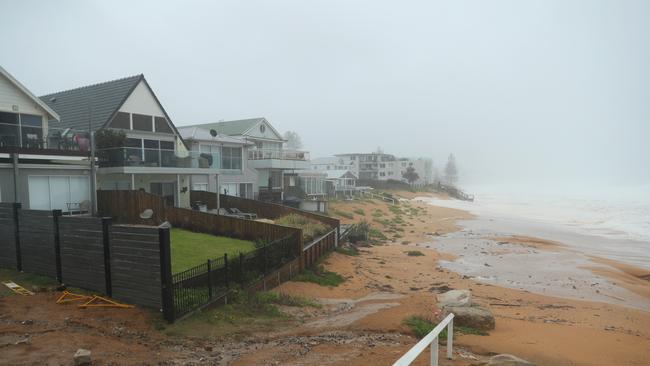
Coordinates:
<point>612,222</point>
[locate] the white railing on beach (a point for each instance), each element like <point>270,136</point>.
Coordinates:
<point>431,339</point>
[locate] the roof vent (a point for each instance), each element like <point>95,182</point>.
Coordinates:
<point>53,99</point>
<point>213,133</point>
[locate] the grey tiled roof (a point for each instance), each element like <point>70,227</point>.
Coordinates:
<point>74,106</point>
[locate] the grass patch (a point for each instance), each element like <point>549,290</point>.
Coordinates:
<point>359,211</point>
<point>347,215</point>
<point>421,326</point>
<point>351,251</point>
<point>376,234</point>
<point>190,249</point>
<point>280,298</point>
<point>310,228</point>
<point>244,314</point>
<point>414,253</point>
<point>26,280</point>
<point>470,330</point>
<point>320,276</point>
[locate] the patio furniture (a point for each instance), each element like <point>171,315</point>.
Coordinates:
<point>236,211</point>
<point>224,212</point>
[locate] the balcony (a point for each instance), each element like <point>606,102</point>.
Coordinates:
<point>278,159</point>
<point>125,159</point>
<point>32,139</point>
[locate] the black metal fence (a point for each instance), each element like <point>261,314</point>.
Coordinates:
<point>206,283</point>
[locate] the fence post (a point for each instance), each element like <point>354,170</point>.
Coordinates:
<point>56,214</point>
<point>106,224</point>
<point>225,266</point>
<point>19,258</point>
<point>209,279</point>
<point>166,274</point>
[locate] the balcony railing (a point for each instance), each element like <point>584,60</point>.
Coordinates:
<point>158,158</point>
<point>15,137</point>
<point>262,154</point>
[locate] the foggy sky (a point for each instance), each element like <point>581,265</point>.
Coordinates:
<point>524,91</point>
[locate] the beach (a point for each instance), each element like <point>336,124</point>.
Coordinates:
<point>553,305</point>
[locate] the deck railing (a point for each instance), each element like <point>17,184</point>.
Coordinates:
<point>260,154</point>
<point>431,339</point>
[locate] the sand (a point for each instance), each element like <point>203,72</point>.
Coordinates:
<point>544,329</point>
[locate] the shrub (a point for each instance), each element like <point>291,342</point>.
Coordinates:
<point>414,253</point>
<point>359,232</point>
<point>310,228</point>
<point>419,325</point>
<point>359,211</point>
<point>320,276</point>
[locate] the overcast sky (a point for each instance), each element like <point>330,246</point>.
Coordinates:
<point>530,91</point>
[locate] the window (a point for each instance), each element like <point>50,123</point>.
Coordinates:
<point>9,129</point>
<point>229,189</point>
<point>246,190</point>
<point>32,132</point>
<point>162,125</point>
<point>55,192</point>
<point>200,186</point>
<point>121,120</point>
<point>142,122</point>
<point>231,158</point>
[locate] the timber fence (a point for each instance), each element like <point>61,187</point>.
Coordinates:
<point>128,263</point>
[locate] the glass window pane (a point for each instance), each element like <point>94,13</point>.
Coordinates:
<point>30,120</point>
<point>142,122</point>
<point>151,144</point>
<point>167,145</point>
<point>59,193</point>
<point>39,193</point>
<point>133,143</point>
<point>162,125</point>
<point>9,129</point>
<point>79,189</point>
<point>121,120</point>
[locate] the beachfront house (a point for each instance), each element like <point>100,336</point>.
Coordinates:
<point>137,145</point>
<point>379,166</point>
<point>266,154</point>
<point>43,164</point>
<point>229,172</point>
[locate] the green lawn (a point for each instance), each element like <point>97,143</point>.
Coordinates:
<point>190,249</point>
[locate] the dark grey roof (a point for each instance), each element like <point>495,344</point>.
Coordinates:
<point>73,106</point>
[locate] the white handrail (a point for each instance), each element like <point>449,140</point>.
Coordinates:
<point>431,339</point>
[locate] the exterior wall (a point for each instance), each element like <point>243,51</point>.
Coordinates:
<point>7,180</point>
<point>14,100</point>
<point>7,184</point>
<point>267,134</point>
<point>143,181</point>
<point>142,101</point>
<point>11,96</point>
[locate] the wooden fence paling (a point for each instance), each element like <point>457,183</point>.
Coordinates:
<point>126,207</point>
<point>263,209</point>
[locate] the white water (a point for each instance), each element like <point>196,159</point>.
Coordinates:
<point>612,223</point>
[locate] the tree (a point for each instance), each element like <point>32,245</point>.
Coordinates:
<point>451,172</point>
<point>410,175</point>
<point>293,140</point>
